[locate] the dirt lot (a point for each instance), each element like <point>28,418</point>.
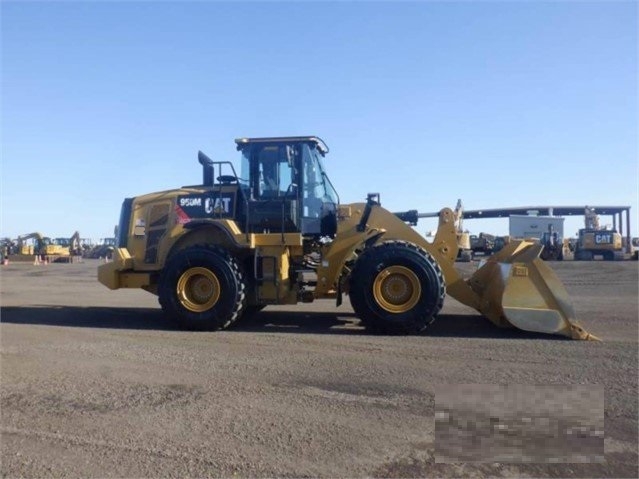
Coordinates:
<point>96,383</point>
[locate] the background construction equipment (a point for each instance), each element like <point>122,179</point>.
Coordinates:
<point>594,240</point>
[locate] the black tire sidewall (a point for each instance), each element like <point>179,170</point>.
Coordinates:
<point>221,314</point>
<point>376,259</point>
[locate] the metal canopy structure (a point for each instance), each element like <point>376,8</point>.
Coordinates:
<point>544,211</point>
<point>617,213</point>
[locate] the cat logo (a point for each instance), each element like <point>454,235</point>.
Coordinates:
<point>603,238</point>
<point>217,205</point>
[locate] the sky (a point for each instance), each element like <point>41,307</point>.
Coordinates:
<point>501,104</point>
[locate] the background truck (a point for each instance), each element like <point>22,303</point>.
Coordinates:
<point>554,245</point>
<point>482,244</point>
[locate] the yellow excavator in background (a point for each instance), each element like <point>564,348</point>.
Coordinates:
<point>72,244</point>
<point>23,247</point>
<point>42,245</point>
<point>594,240</point>
<point>277,234</point>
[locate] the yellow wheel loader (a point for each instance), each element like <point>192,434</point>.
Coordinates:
<point>277,234</point>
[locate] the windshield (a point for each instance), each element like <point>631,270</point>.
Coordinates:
<point>317,188</point>
<point>288,170</point>
<point>330,191</point>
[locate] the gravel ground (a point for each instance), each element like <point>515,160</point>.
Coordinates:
<point>96,383</point>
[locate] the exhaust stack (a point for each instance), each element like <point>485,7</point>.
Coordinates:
<point>207,168</point>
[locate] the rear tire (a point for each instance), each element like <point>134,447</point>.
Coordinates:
<point>396,288</point>
<point>202,288</point>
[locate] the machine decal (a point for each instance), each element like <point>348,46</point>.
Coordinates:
<point>190,202</point>
<point>218,205</point>
<point>603,238</point>
<point>205,205</point>
<point>182,217</point>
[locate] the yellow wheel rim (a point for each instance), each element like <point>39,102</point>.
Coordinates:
<point>397,289</point>
<point>198,289</point>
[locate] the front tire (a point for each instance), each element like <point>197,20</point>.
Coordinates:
<point>202,288</point>
<point>396,288</point>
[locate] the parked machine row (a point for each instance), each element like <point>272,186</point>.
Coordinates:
<point>62,249</point>
<point>35,244</point>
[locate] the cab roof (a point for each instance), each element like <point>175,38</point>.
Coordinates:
<point>317,141</point>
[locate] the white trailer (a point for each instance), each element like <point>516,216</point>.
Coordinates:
<point>532,226</point>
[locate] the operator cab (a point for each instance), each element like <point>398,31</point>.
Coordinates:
<point>286,186</point>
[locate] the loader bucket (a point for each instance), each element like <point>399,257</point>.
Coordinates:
<point>517,288</point>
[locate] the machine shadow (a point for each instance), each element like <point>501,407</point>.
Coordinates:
<point>301,322</point>
<point>297,322</point>
<point>446,325</point>
<point>88,317</point>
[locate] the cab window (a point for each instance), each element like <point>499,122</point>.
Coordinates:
<point>274,172</point>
